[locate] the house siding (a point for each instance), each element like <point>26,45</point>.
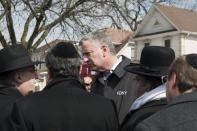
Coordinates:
<point>175,44</point>
<point>167,23</point>
<point>190,44</point>
<point>150,28</point>
<point>128,51</point>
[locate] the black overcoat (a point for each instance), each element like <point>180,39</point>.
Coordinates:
<point>64,106</point>
<point>179,115</point>
<point>136,116</point>
<point>118,87</point>
<point>8,95</point>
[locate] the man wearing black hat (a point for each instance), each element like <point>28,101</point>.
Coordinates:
<point>150,73</point>
<point>181,86</point>
<point>17,79</point>
<point>64,104</point>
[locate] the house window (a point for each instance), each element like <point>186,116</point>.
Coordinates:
<point>167,43</point>
<point>146,44</point>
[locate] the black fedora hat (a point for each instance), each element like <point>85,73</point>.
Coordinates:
<point>154,61</point>
<point>14,57</point>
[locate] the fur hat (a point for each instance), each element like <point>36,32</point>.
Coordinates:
<point>65,50</point>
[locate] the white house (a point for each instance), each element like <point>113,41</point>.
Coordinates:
<point>167,26</point>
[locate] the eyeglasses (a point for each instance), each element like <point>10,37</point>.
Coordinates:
<point>164,79</point>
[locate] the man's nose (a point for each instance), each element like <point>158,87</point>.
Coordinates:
<point>85,59</point>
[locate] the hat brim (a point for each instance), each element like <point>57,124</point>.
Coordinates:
<point>17,64</point>
<point>16,68</point>
<point>137,69</point>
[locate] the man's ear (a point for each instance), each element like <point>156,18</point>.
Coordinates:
<point>174,80</point>
<point>18,77</point>
<point>105,49</point>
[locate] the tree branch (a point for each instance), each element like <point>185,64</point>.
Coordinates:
<point>3,41</point>
<point>42,37</point>
<point>45,6</point>
<point>7,6</point>
<point>26,28</point>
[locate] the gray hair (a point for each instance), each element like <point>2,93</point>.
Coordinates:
<point>99,37</point>
<point>66,66</point>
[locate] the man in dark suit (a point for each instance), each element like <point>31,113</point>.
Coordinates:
<point>151,89</point>
<point>64,105</point>
<point>112,81</point>
<point>17,79</point>
<point>181,112</point>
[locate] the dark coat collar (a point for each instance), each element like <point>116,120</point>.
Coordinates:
<point>60,79</point>
<point>119,70</point>
<point>153,103</point>
<point>150,104</point>
<point>183,98</point>
<point>9,90</point>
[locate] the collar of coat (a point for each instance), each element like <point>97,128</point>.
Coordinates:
<point>183,98</point>
<point>70,80</point>
<point>155,94</point>
<point>9,90</point>
<point>118,71</point>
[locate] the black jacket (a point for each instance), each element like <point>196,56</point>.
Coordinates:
<point>64,106</point>
<point>179,115</point>
<point>138,115</point>
<point>8,95</point>
<point>118,88</point>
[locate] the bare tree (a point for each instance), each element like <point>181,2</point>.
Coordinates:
<point>38,18</point>
<point>30,22</point>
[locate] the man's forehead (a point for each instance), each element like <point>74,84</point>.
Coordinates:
<point>88,45</point>
<point>88,41</point>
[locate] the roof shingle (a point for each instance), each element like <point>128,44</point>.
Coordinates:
<point>185,20</point>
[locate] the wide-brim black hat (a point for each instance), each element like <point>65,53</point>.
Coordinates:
<point>154,62</point>
<point>14,57</point>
